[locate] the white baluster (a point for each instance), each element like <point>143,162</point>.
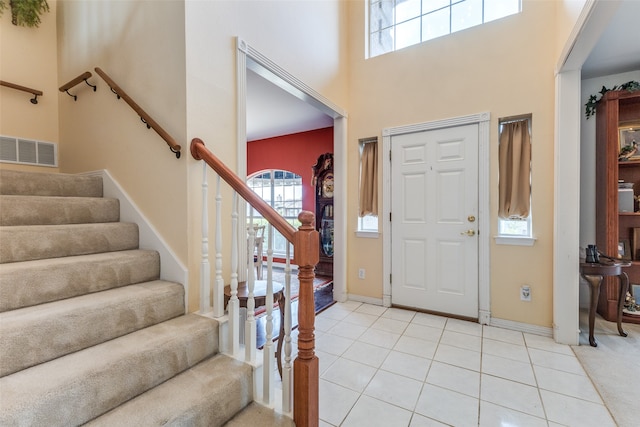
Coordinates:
<point>218,287</point>
<point>287,372</point>
<point>250,323</point>
<point>234,305</point>
<point>205,291</point>
<point>269,350</point>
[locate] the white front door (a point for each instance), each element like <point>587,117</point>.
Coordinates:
<point>434,224</point>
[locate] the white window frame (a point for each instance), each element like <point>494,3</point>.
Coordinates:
<point>505,238</point>
<point>292,219</point>
<point>375,28</point>
<point>365,224</point>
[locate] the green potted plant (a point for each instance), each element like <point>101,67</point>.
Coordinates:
<point>25,13</point>
<point>590,106</point>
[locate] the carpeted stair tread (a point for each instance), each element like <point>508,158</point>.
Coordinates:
<point>49,184</point>
<point>24,243</point>
<point>23,284</point>
<point>206,395</point>
<point>76,388</point>
<point>44,332</point>
<point>258,415</point>
<point>46,210</point>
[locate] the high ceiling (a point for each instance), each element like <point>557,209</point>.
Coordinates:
<point>272,111</point>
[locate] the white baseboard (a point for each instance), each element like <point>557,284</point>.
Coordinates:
<point>521,327</point>
<point>171,268</point>
<point>368,300</point>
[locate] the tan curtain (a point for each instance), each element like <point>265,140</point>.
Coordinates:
<point>369,179</point>
<point>515,170</point>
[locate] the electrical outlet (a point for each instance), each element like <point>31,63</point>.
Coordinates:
<point>361,273</point>
<point>525,293</point>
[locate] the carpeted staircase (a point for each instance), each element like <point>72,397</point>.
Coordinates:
<point>89,332</point>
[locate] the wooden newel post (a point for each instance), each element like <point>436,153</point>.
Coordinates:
<point>306,375</point>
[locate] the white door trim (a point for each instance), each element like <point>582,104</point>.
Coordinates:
<point>483,121</point>
<point>273,72</point>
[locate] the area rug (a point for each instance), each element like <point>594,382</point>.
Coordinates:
<point>613,367</point>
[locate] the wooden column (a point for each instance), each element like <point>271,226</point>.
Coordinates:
<point>305,367</point>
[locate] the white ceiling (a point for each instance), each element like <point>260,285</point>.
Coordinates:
<point>618,48</point>
<point>272,111</point>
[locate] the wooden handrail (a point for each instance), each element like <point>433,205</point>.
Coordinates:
<point>173,145</point>
<point>35,92</point>
<point>84,76</point>
<point>200,152</point>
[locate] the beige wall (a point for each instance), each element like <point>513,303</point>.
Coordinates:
<point>567,13</point>
<point>504,67</point>
<point>177,60</point>
<point>140,44</point>
<point>28,58</point>
<point>307,38</point>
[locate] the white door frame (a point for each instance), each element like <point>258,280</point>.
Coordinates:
<point>484,225</point>
<point>273,72</point>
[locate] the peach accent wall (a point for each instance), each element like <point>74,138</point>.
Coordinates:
<point>178,61</point>
<point>505,67</point>
<point>140,45</point>
<point>28,58</point>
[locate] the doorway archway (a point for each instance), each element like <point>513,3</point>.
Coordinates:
<point>249,58</point>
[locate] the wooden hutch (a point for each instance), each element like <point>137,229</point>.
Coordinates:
<point>615,110</point>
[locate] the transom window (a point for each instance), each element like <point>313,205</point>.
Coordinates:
<point>395,24</point>
<point>283,191</point>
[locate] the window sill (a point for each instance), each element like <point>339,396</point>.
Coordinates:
<point>368,234</point>
<point>515,241</point>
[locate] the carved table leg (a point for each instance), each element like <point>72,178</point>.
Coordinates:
<point>624,286</point>
<point>594,282</point>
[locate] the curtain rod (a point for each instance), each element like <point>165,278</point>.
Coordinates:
<point>513,119</point>
<point>368,140</point>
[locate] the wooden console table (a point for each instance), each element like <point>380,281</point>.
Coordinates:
<point>594,273</point>
<point>260,297</point>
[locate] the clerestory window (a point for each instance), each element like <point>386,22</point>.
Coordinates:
<point>395,24</point>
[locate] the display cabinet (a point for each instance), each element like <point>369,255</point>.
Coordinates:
<point>617,215</point>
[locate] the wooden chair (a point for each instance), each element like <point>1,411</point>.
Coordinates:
<point>258,249</point>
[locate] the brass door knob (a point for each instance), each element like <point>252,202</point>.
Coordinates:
<point>470,232</point>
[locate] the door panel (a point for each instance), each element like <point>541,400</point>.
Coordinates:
<point>434,191</point>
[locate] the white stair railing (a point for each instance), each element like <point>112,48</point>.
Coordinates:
<point>235,342</point>
<point>300,390</point>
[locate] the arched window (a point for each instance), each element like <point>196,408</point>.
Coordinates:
<point>283,191</point>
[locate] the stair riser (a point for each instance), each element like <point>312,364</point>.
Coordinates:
<point>29,210</point>
<point>41,333</point>
<point>207,395</point>
<point>48,241</point>
<point>35,282</point>
<point>86,384</point>
<point>44,184</point>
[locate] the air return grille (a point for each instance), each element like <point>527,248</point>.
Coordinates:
<point>29,152</point>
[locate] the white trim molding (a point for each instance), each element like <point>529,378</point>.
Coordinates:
<point>250,58</point>
<point>366,300</point>
<point>483,122</point>
<point>521,327</point>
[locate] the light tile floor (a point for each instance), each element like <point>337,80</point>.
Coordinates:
<point>392,367</point>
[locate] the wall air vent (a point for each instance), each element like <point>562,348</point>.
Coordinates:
<point>28,152</point>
